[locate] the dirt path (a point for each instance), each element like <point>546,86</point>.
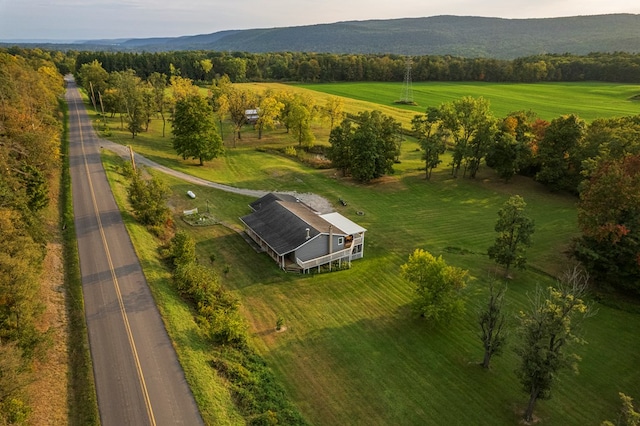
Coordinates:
<point>314,201</point>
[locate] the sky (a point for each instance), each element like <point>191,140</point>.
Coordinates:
<point>74,20</point>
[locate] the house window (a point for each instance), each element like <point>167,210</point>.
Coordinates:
<point>340,241</point>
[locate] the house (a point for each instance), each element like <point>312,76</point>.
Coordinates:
<point>299,238</point>
<point>251,115</point>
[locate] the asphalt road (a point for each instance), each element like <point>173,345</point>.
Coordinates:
<point>139,380</point>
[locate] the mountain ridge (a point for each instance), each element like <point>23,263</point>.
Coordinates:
<point>467,36</point>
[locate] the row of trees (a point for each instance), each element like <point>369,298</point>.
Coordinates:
<point>30,129</point>
<point>195,116</point>
<point>597,161</point>
<point>546,330</point>
<point>311,67</point>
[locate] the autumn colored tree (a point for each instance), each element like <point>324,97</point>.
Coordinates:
<point>237,102</point>
<point>269,108</point>
<point>333,110</point>
<point>511,150</point>
<point>609,218</point>
<point>438,286</point>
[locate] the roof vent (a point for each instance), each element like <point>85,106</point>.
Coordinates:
<point>308,236</point>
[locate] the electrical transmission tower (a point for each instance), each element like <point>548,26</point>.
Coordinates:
<point>407,89</point>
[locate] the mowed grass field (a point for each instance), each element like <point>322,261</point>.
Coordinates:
<point>353,353</point>
<point>588,100</point>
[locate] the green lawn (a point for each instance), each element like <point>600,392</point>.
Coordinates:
<point>549,100</point>
<point>353,353</point>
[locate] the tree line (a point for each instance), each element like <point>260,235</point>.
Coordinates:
<point>30,131</point>
<point>329,67</point>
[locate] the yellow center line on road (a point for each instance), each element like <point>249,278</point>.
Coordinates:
<point>123,311</point>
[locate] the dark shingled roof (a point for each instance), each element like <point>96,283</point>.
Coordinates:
<point>269,198</point>
<point>282,222</point>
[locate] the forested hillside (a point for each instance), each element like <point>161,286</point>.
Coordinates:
<point>327,67</point>
<point>30,130</point>
<point>464,36</point>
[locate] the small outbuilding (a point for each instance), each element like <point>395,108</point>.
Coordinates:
<point>299,238</point>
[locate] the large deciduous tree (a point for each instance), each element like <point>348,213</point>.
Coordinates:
<point>511,151</point>
<point>269,109</point>
<point>514,230</point>
<point>148,198</point>
<point>194,130</point>
<point>468,121</point>
<point>548,330</point>
<point>93,79</point>
<point>333,110</point>
<point>438,286</point>
<point>559,153</point>
<point>158,84</point>
<point>609,218</point>
<point>367,147</point>
<point>340,150</point>
<point>431,137</point>
<point>237,102</point>
<point>298,112</point>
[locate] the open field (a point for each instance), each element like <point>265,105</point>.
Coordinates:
<point>549,100</point>
<point>353,353</point>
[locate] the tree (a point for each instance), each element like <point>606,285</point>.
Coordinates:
<point>514,230</point>
<point>366,145</point>
<point>333,110</point>
<point>492,322</point>
<point>465,119</point>
<point>268,111</point>
<point>194,130</point>
<point>340,150</point>
<point>438,286</point>
<point>503,155</point>
<point>158,84</point>
<point>237,102</point>
<point>548,330</point>
<point>629,416</point>
<point>148,198</point>
<point>182,249</point>
<point>129,91</point>
<point>558,153</point>
<point>609,218</point>
<point>479,146</point>
<point>299,111</point>
<point>93,79</point>
<point>375,145</point>
<point>431,138</point>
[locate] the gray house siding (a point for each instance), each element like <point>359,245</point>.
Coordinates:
<point>298,238</point>
<point>319,246</point>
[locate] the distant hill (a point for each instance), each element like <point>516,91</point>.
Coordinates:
<point>439,35</point>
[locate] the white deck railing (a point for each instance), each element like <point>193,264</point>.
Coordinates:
<point>323,260</point>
